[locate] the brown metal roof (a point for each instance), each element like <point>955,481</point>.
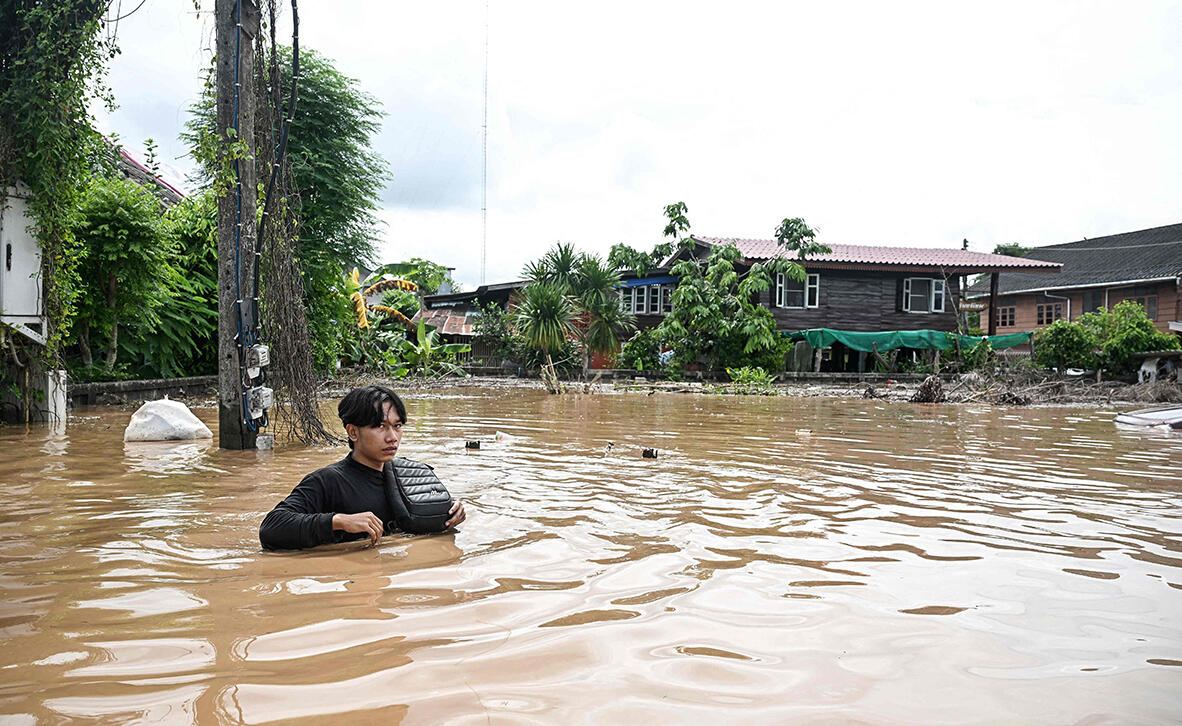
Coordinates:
<point>862,256</point>
<point>449,321</point>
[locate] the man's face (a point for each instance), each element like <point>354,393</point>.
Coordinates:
<point>375,445</point>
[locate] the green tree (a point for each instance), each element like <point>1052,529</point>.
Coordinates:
<point>590,286</point>
<point>123,268</point>
<point>337,178</point>
<point>716,311</point>
<point>545,318</point>
<point>1066,344</point>
<point>623,257</point>
<point>1012,249</point>
<point>1123,331</point>
<point>1105,338</point>
<point>429,276</point>
<point>184,340</point>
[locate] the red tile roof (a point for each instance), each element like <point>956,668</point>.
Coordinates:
<point>872,255</point>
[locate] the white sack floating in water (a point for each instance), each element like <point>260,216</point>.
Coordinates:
<point>165,420</point>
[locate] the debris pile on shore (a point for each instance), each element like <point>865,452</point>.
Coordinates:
<point>1022,388</point>
<point>930,391</point>
<point>1009,388</point>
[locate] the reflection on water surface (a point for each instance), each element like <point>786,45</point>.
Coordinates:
<point>783,560</point>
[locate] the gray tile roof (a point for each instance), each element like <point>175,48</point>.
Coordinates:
<point>1147,254</point>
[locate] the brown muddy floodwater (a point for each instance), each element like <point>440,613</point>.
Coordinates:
<point>784,560</point>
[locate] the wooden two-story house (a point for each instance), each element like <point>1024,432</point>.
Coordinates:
<point>860,288</point>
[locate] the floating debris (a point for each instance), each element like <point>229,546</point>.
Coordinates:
<point>472,445</point>
<point>930,391</point>
<point>649,454</point>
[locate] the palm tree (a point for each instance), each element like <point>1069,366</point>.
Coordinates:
<point>544,318</point>
<point>602,316</point>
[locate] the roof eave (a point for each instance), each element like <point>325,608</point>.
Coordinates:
<point>1085,286</point>
<point>913,267</point>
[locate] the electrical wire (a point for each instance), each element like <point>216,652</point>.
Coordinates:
<point>280,151</point>
<point>123,17</point>
<point>248,330</point>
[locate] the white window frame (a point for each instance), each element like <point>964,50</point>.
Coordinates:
<point>936,294</point>
<point>652,299</point>
<point>810,292</point>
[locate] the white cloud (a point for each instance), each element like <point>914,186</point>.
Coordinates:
<point>906,123</point>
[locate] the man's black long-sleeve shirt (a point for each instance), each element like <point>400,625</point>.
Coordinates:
<point>304,518</point>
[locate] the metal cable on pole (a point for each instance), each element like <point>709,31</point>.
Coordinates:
<point>484,159</point>
<point>281,149</point>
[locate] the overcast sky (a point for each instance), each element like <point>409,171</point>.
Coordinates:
<point>879,123</point>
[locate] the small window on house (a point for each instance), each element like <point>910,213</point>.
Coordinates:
<point>792,293</point>
<point>1149,303</point>
<point>1006,316</point>
<point>923,295</point>
<point>654,299</point>
<point>1093,300</point>
<point>1047,314</point>
<point>667,299</point>
<point>635,299</point>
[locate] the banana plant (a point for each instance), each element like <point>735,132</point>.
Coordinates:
<point>380,280</point>
<point>427,355</point>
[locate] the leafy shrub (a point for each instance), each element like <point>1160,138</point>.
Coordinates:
<point>1066,344</point>
<point>1124,331</point>
<point>730,352</point>
<point>977,357</point>
<point>642,352</point>
<point>750,375</point>
<point>751,380</point>
<point>1104,338</point>
<point>494,329</point>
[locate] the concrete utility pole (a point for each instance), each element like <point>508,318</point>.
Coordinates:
<point>235,265</point>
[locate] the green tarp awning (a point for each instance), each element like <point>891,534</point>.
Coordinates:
<point>891,339</point>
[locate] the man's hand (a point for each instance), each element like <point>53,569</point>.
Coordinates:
<point>365,522</point>
<point>457,515</point>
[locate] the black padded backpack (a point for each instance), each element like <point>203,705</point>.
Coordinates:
<point>419,500</point>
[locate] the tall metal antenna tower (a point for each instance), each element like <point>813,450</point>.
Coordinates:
<point>484,158</point>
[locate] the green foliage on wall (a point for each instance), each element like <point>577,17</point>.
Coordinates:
<point>53,58</point>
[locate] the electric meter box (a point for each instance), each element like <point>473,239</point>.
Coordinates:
<point>258,356</point>
<point>258,400</point>
<point>21,299</point>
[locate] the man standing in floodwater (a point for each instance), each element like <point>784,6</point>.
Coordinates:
<point>347,500</point>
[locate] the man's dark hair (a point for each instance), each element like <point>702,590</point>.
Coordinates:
<point>363,406</point>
